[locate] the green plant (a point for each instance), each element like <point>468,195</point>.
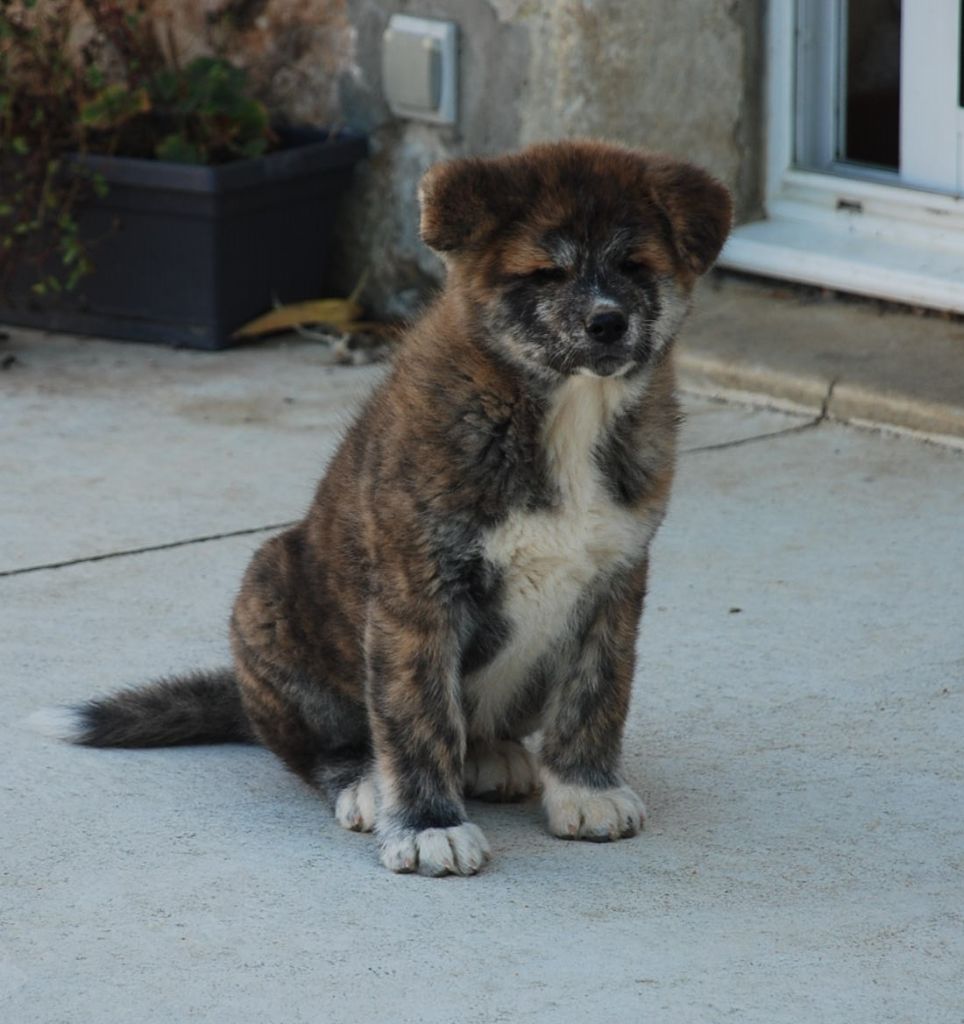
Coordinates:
<point>124,92</point>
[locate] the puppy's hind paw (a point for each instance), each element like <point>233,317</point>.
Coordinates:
<point>459,850</point>
<point>502,771</point>
<point>355,806</point>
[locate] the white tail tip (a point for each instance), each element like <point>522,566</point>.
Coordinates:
<point>61,723</point>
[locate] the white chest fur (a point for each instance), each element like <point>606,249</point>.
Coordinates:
<point>549,558</point>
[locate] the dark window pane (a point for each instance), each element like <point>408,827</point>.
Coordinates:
<point>872,107</point>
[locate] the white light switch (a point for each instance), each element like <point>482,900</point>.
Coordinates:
<point>419,73</point>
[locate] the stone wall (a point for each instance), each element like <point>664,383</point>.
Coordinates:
<point>680,77</point>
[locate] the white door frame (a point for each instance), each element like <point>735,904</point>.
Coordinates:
<point>898,243</point>
<point>931,119</point>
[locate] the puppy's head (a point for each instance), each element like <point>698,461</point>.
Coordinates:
<point>580,256</point>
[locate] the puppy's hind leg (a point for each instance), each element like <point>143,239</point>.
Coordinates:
<point>323,738</point>
<point>320,735</point>
<point>296,689</point>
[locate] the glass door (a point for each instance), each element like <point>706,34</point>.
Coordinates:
<point>879,93</point>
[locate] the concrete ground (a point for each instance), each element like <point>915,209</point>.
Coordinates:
<point>854,360</point>
<point>797,732</point>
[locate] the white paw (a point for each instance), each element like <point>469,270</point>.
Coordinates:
<point>503,770</point>
<point>355,806</point>
<point>459,850</point>
<point>577,812</point>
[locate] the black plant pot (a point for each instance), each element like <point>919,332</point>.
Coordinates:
<point>185,255</point>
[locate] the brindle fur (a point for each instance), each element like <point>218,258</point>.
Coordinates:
<point>361,636</point>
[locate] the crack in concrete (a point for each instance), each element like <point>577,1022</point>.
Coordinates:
<point>800,428</point>
<point>739,442</point>
<point>106,556</point>
<point>827,398</point>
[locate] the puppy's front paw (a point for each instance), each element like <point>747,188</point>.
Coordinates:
<point>600,815</point>
<point>459,850</point>
<point>502,771</point>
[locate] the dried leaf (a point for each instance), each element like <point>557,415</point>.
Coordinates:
<point>339,313</point>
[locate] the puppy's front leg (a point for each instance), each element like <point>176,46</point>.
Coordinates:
<point>418,731</point>
<point>583,792</point>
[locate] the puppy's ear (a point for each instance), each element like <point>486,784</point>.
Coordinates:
<point>698,208</point>
<point>462,203</point>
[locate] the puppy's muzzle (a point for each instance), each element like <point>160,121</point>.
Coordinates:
<point>608,327</point>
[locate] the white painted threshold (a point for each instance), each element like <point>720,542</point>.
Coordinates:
<point>856,252</point>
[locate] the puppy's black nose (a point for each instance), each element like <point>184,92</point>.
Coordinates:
<point>607,327</point>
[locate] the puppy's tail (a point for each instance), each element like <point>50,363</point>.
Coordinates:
<point>201,707</point>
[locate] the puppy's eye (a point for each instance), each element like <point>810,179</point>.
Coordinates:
<point>545,275</point>
<point>633,268</point>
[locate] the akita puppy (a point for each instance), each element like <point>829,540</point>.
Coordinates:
<point>472,569</point>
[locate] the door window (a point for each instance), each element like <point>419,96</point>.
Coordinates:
<point>879,91</point>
